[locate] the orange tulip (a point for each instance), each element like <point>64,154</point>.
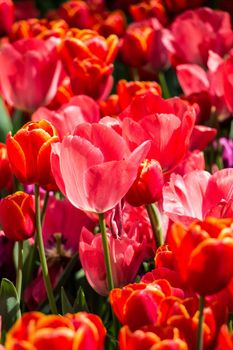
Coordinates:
<point>29,153</point>
<point>35,331</point>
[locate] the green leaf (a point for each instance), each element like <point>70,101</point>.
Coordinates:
<point>80,303</point>
<point>65,303</point>
<point>9,304</point>
<point>5,122</point>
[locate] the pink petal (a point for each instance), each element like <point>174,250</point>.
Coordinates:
<point>183,196</point>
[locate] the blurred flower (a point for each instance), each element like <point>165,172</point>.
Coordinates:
<point>19,206</point>
<point>77,14</point>
<point>225,339</point>
<point>181,5</point>
<point>29,73</point>
<point>5,169</point>
<point>83,165</point>
<point>29,153</point>
<point>148,9</point>
<point>6,16</point>
<point>227,154</point>
<point>143,45</point>
<point>209,30</point>
<point>36,331</point>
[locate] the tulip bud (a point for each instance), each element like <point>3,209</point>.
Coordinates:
<point>29,153</point>
<point>17,216</point>
<point>147,188</point>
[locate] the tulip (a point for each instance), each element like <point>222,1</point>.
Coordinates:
<point>141,298</point>
<point>29,153</point>
<point>5,170</point>
<point>147,188</point>
<point>35,331</point>
<point>78,110</point>
<point>126,90</point>
<point>19,206</point>
<point>211,196</point>
<point>151,338</point>
<point>6,16</point>
<point>83,165</point>
<point>203,247</point>
<point>168,123</point>
<point>126,256</point>
<point>181,5</point>
<point>29,73</point>
<point>210,30</point>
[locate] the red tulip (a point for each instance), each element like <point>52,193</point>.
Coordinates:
<point>20,207</point>
<point>5,170</point>
<point>29,73</point>
<point>204,247</point>
<point>168,123</point>
<point>29,153</point>
<point>139,298</point>
<point>181,5</point>
<point>151,338</point>
<point>147,9</point>
<point>6,16</point>
<point>83,165</point>
<point>225,339</point>
<point>147,188</point>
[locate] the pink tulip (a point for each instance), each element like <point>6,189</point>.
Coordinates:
<point>168,123</point>
<point>208,29</point>
<point>78,110</point>
<point>126,257</point>
<point>210,195</point>
<point>94,168</point>
<point>29,72</point>
<point>63,218</point>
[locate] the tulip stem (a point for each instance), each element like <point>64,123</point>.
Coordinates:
<point>156,224</point>
<point>200,323</point>
<point>106,252</point>
<point>43,261</point>
<point>19,276</point>
<point>46,198</point>
<point>164,86</point>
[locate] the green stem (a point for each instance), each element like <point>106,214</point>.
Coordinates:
<point>156,224</point>
<point>106,251</point>
<point>163,83</point>
<point>32,253</point>
<point>43,261</point>
<point>19,276</point>
<point>200,323</point>
<point>46,198</point>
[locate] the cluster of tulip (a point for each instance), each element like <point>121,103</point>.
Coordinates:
<point>116,210</point>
